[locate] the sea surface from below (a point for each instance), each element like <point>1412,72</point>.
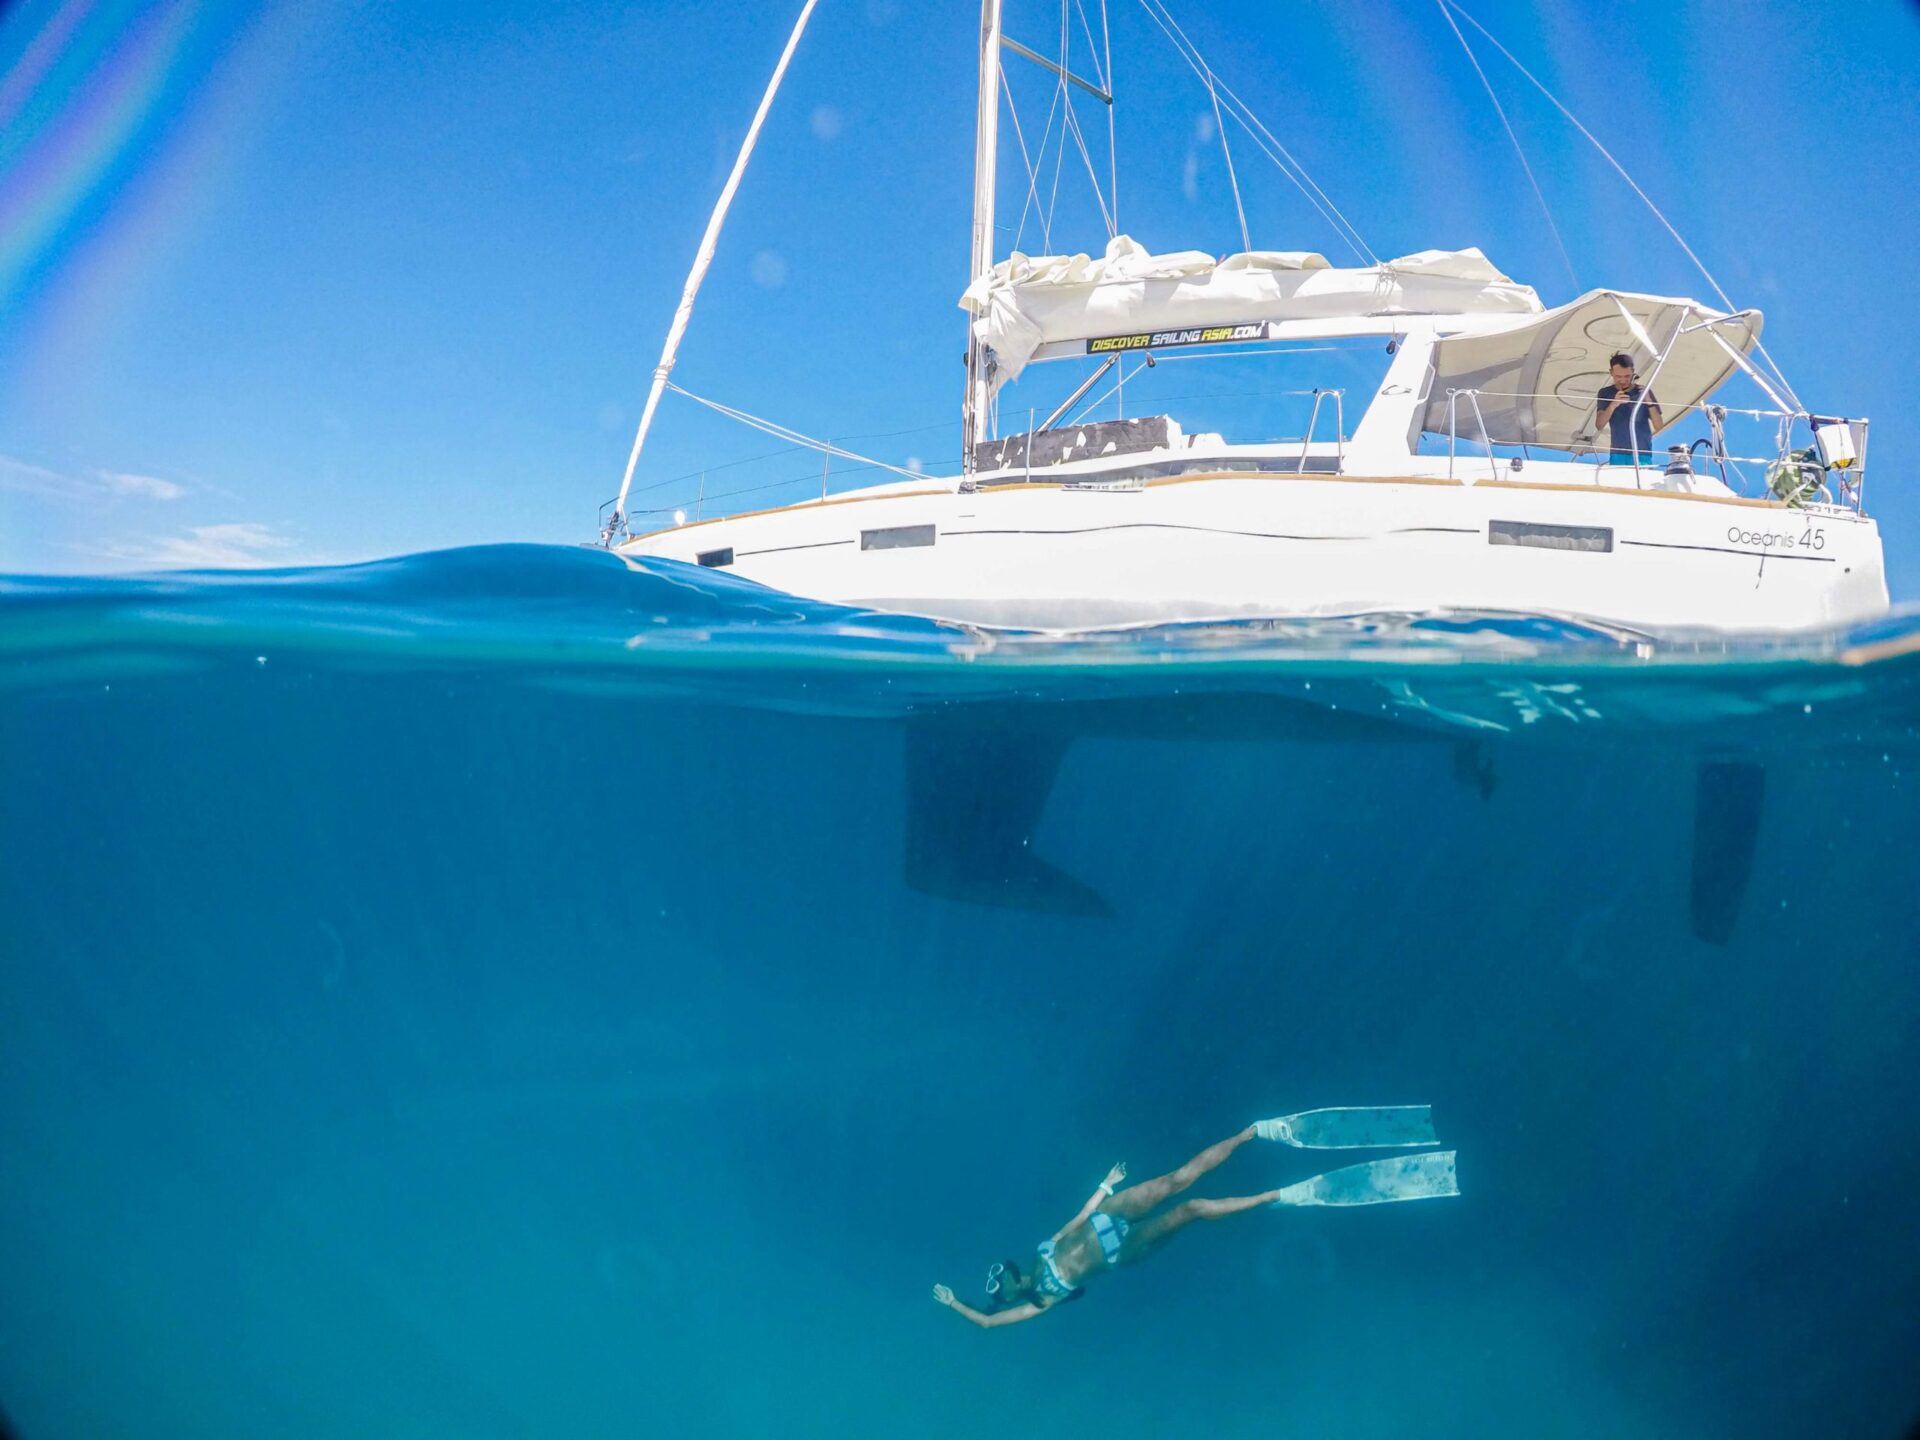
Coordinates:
<point>509,992</point>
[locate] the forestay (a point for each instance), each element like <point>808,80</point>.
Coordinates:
<point>1536,381</point>
<point>1130,298</point>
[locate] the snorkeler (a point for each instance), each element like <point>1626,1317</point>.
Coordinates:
<point>1115,1227</point>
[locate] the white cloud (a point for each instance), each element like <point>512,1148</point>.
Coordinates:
<point>769,270</point>
<point>26,477</point>
<point>149,487</point>
<point>916,464</point>
<point>20,475</point>
<point>241,545</point>
<point>826,123</point>
<point>1203,127</point>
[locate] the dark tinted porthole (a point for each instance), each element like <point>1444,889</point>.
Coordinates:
<point>713,559</point>
<point>898,537</point>
<point>1595,538</point>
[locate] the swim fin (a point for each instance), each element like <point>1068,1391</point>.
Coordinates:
<point>1356,1127</point>
<point>1405,1177</point>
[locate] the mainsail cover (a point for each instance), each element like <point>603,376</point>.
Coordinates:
<point>1536,381</point>
<point>1026,301</point>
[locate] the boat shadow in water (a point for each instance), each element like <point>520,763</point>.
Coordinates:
<point>978,779</point>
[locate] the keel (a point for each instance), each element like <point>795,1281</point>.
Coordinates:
<point>975,796</point>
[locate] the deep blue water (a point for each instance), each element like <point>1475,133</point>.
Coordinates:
<point>501,993</point>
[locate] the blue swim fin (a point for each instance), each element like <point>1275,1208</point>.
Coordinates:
<point>1355,1127</point>
<point>1406,1177</point>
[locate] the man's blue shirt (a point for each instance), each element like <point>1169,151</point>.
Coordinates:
<point>1632,420</point>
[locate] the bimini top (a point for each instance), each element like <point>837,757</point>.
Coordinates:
<point>1537,380</point>
<point>1129,299</point>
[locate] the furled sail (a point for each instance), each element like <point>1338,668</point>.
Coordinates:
<point>1536,381</point>
<point>1129,298</point>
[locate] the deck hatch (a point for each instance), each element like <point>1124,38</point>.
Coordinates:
<point>1596,538</point>
<point>897,537</point>
<point>714,559</point>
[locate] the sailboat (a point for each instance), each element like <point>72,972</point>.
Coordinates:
<point>1477,478</point>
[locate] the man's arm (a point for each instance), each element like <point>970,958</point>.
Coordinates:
<point>985,1321</point>
<point>1602,414</point>
<point>1103,1192</point>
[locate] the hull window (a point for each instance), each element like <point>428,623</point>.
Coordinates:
<point>1597,538</point>
<point>714,559</point>
<point>899,537</point>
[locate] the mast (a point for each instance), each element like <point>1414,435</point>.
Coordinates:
<point>986,148</point>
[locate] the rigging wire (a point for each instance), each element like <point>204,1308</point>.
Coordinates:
<point>1246,242</point>
<point>1040,151</point>
<point>784,432</point>
<point>1126,375</point>
<point>708,469</point>
<point>719,495</point>
<point>1264,142</point>
<point>1291,168</point>
<point>1501,111</point>
<point>1093,48</point>
<point>1061,105</point>
<point>1621,170</point>
<point>1257,127</point>
<point>910,430</point>
<point>1080,140</point>
<point>1066,124</point>
<point>810,477</point>
<point>1033,176</point>
<point>1059,162</point>
<point>1264,138</point>
<point>789,449</point>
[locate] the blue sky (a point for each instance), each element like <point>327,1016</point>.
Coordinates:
<point>323,282</point>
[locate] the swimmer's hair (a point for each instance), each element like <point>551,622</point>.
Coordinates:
<point>1004,1299</point>
<point>1620,357</point>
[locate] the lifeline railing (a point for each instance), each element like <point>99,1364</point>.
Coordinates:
<point>1020,457</point>
<point>1795,474</point>
<point>1319,394</point>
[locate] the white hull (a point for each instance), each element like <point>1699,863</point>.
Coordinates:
<point>1193,547</point>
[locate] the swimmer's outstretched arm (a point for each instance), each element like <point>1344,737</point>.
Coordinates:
<point>1105,1191</point>
<point>987,1322</point>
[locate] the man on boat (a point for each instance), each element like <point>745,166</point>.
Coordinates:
<point>1115,1227</point>
<point>1631,412</point>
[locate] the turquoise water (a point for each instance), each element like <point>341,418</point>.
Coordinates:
<point>502,993</point>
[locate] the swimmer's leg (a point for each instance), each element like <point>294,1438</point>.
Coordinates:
<point>1136,1200</point>
<point>1149,1235</point>
<point>1405,1177</point>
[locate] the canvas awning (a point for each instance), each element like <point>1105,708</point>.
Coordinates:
<point>1537,380</point>
<point>1130,295</point>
